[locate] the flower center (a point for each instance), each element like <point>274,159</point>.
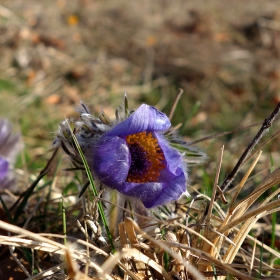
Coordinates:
<point>146,158</point>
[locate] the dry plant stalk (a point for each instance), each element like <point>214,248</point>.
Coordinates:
<point>210,246</point>
<point>193,250</point>
<point>239,215</point>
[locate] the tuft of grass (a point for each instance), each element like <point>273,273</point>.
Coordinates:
<point>91,180</point>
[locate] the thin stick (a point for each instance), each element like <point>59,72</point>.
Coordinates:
<point>243,181</point>
<point>264,144</point>
<point>178,96</point>
<point>221,134</point>
<point>11,248</point>
<point>253,256</point>
<point>264,129</point>
<point>215,186</point>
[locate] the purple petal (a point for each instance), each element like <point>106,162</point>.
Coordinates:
<point>177,183</point>
<point>172,189</point>
<point>10,143</point>
<point>173,158</point>
<point>4,168</point>
<point>154,194</point>
<point>111,160</point>
<point>144,192</point>
<point>145,118</point>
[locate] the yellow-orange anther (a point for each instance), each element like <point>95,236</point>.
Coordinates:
<point>146,158</point>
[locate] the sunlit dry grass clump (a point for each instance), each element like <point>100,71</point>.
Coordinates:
<point>126,214</point>
<point>139,192</point>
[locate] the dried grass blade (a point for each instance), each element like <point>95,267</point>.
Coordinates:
<point>200,220</point>
<point>21,231</point>
<point>215,186</point>
<point>211,260</point>
<point>263,130</point>
<point>268,182</point>
<point>26,243</point>
<point>217,207</point>
<point>122,234</point>
<point>11,249</point>
<point>72,268</point>
<point>271,196</point>
<point>48,272</point>
<point>243,181</point>
<point>109,264</point>
<point>129,272</point>
<point>238,240</point>
<point>266,247</point>
<point>189,267</point>
<point>253,256</point>
<point>124,244</point>
<point>80,241</point>
<point>56,246</point>
<point>242,234</point>
<point>175,103</point>
<point>202,237</point>
<point>262,211</point>
<point>46,247</point>
<point>130,233</point>
<point>205,246</point>
<point>264,144</point>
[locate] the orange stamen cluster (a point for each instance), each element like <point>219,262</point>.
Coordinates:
<point>146,158</point>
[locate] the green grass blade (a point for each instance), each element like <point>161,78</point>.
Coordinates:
<point>6,210</point>
<point>27,194</point>
<point>63,219</point>
<point>84,189</point>
<point>214,271</point>
<point>100,208</point>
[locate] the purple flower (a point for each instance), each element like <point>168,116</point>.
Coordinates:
<point>4,168</point>
<point>136,159</point>
<point>10,145</point>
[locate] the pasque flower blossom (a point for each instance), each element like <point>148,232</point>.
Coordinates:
<point>4,168</point>
<point>139,154</point>
<point>10,145</point>
<point>135,158</point>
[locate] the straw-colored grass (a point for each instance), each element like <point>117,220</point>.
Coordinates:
<point>54,53</point>
<point>204,240</point>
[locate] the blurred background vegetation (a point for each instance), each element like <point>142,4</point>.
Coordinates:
<point>224,56</point>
